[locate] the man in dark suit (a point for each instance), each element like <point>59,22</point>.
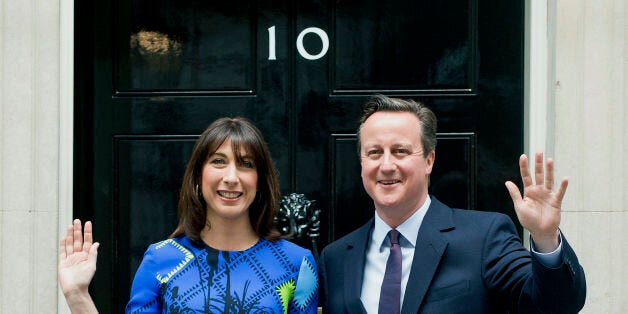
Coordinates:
<point>445,260</point>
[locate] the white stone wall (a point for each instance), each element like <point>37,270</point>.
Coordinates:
<point>585,56</point>
<point>591,142</point>
<point>28,157</point>
<point>30,123</point>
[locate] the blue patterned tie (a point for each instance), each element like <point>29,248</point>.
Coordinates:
<point>390,295</point>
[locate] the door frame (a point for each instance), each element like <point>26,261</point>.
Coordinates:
<point>66,127</point>
<point>539,97</point>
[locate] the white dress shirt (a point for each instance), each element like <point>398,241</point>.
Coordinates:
<point>379,248</point>
<point>377,255</point>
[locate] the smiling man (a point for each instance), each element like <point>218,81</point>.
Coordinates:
<point>418,255</point>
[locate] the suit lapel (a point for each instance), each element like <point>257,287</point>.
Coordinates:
<point>355,256</point>
<point>430,246</point>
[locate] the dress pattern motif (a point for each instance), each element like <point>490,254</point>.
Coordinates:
<point>181,276</point>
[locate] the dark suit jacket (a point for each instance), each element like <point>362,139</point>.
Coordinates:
<point>464,262</point>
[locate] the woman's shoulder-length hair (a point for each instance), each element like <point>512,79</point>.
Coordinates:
<point>244,136</point>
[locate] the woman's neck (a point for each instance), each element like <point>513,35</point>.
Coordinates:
<point>225,235</point>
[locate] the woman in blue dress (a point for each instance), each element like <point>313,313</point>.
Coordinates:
<point>225,255</point>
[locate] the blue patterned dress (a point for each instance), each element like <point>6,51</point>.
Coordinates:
<point>179,276</point>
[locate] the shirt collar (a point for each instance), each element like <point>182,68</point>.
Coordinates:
<point>409,229</point>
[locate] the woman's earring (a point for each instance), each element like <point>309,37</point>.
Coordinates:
<point>196,190</point>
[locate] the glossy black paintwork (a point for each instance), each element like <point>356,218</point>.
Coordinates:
<point>151,75</point>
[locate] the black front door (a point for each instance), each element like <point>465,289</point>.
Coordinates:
<point>151,75</point>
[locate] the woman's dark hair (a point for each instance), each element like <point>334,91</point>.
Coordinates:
<point>244,136</point>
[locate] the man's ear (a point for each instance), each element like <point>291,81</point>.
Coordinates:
<point>429,162</point>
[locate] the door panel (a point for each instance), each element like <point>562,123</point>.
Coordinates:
<point>150,168</point>
<point>399,46</point>
<point>176,47</point>
<point>151,76</point>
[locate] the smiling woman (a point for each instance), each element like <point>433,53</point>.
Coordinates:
<point>224,158</point>
<point>228,187</point>
<point>225,254</point>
